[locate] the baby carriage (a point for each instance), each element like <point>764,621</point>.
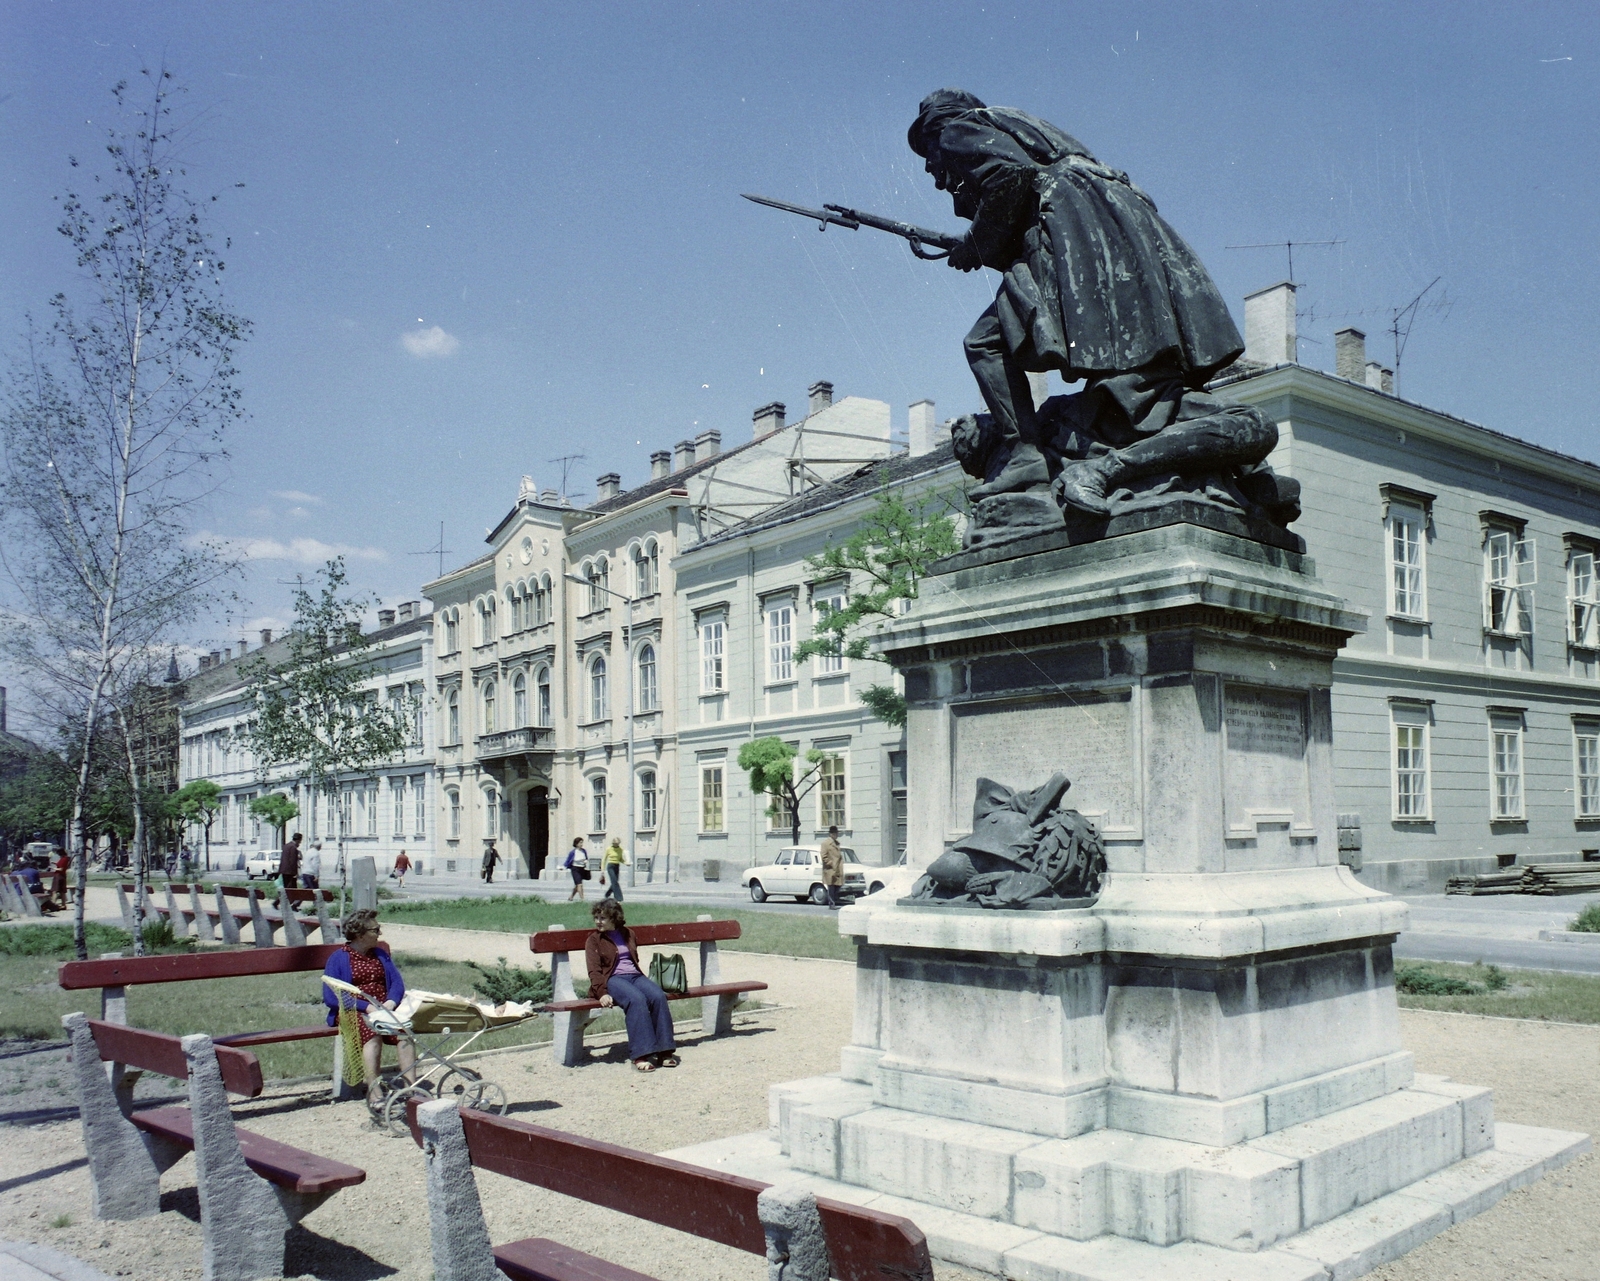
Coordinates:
<point>440,1028</point>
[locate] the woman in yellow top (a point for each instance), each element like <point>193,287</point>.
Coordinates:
<point>613,860</point>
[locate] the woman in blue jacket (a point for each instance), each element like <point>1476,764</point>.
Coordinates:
<point>364,962</point>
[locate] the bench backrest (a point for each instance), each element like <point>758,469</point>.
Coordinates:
<point>182,967</point>
<point>158,1052</point>
<point>310,896</point>
<point>648,936</point>
<point>864,1244</point>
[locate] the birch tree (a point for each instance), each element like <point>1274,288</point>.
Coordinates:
<point>112,424</point>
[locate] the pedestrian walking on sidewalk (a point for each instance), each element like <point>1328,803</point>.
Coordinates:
<point>289,864</point>
<point>311,869</point>
<point>577,862</point>
<point>614,860</point>
<point>491,856</point>
<point>402,865</point>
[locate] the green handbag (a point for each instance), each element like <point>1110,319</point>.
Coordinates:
<point>669,973</point>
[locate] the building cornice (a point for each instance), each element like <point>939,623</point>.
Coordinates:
<point>1459,678</point>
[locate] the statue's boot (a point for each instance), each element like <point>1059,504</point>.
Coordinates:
<point>1083,485</point>
<point>1026,469</point>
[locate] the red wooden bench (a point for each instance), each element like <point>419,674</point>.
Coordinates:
<point>573,1012</point>
<point>113,975</point>
<point>862,1244</point>
<point>253,1189</point>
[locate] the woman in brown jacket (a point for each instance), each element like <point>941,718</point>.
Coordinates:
<point>615,978</point>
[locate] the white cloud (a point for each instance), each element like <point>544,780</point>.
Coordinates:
<point>427,343</point>
<point>301,551</point>
<point>297,496</point>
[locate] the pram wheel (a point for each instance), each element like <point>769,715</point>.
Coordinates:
<point>395,1119</point>
<point>486,1096</point>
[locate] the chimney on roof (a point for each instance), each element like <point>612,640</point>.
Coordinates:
<point>1350,355</point>
<point>1379,378</point>
<point>707,445</point>
<point>607,487</point>
<point>266,635</point>
<point>386,618</point>
<point>769,418</point>
<point>216,657</point>
<point>408,611</point>
<point>1269,325</point>
<point>683,455</point>
<point>550,497</point>
<point>227,655</point>
<point>923,427</point>
<point>660,464</point>
<point>821,396</point>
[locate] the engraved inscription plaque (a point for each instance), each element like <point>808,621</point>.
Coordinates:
<point>1266,755</point>
<point>1090,738</point>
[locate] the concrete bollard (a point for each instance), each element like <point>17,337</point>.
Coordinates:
<point>797,1249</point>
<point>461,1247</point>
<point>364,882</point>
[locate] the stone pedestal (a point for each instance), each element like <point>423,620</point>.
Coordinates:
<point>1204,1065</point>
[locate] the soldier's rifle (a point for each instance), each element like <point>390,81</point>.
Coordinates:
<point>855,219</point>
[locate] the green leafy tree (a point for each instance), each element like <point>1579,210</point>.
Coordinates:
<point>109,429</point>
<point>882,562</point>
<point>770,763</point>
<point>199,802</point>
<point>277,809</point>
<point>312,709</point>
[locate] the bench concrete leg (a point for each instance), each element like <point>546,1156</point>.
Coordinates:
<point>567,1041</point>
<point>242,1220</point>
<point>462,1250</point>
<point>260,927</point>
<point>341,1089</point>
<point>8,896</point>
<point>225,918</point>
<point>176,913</point>
<point>203,929</point>
<point>329,927</point>
<point>127,909</point>
<point>797,1248</point>
<point>293,933</point>
<point>125,1164</point>
<point>716,1012</point>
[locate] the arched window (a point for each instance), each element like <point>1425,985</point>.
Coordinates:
<point>452,717</point>
<point>597,689</point>
<point>519,701</point>
<point>488,707</point>
<point>452,631</point>
<point>513,624</point>
<point>597,805</point>
<point>599,576</point>
<point>648,694</point>
<point>541,683</point>
<point>491,812</point>
<point>646,581</point>
<point>541,601</point>
<point>453,799</point>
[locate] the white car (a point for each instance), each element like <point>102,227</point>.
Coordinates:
<point>263,864</point>
<point>797,871</point>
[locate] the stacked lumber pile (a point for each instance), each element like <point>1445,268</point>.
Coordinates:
<point>1560,878</point>
<point>1507,880</point>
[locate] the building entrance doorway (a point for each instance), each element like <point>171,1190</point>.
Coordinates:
<point>538,830</point>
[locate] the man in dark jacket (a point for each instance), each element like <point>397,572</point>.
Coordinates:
<point>289,864</point>
<point>1096,285</point>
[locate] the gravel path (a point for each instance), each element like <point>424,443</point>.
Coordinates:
<point>1542,1074</point>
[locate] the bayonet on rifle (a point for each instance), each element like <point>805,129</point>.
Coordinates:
<point>855,219</point>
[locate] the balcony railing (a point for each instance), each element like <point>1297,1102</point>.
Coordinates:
<point>514,742</point>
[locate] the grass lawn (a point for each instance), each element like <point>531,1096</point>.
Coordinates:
<point>1527,994</point>
<point>782,933</point>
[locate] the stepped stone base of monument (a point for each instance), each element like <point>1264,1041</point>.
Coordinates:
<point>1322,1200</point>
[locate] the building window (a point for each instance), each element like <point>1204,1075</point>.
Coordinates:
<point>711,798</point>
<point>649,696</point>
<point>597,804</point>
<point>541,685</point>
<point>647,799</point>
<point>824,605</point>
<point>519,701</point>
<point>1509,574</point>
<point>419,806</point>
<point>644,571</point>
<point>711,656</point>
<point>1583,615</point>
<point>486,621</point>
<point>1406,578</point>
<point>414,692</point>
<point>1586,768</point>
<point>1505,763</point>
<point>780,643</point>
<point>372,809</point>
<point>1412,798</point>
<point>599,575</point>
<point>453,798</point>
<point>255,819</point>
<point>452,633</point>
<point>831,791</point>
<point>488,707</point>
<point>597,689</point>
<point>397,799</point>
<point>491,813</point>
<point>452,717</point>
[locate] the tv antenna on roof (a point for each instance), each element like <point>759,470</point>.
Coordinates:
<point>1290,246</point>
<point>1402,329</point>
<point>568,462</point>
<point>438,549</point>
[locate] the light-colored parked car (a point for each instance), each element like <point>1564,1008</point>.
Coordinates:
<point>797,871</point>
<point>262,864</point>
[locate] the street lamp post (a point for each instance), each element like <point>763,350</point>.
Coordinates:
<point>627,672</point>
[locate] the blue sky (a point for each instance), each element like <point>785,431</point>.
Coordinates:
<point>473,238</point>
